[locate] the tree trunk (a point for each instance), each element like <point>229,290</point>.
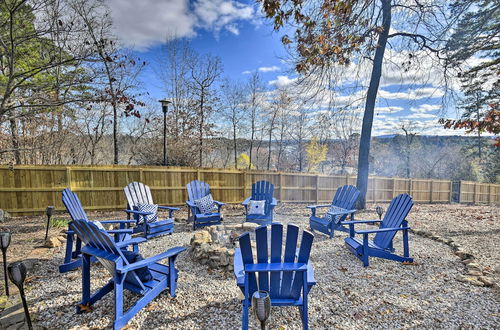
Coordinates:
<point>15,141</point>
<point>235,148</point>
<point>201,125</point>
<point>251,140</point>
<point>371,96</point>
<point>115,134</point>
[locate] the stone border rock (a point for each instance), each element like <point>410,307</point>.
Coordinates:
<point>475,275</point>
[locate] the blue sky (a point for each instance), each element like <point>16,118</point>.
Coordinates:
<point>236,32</point>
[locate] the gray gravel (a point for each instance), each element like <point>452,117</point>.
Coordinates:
<point>347,295</point>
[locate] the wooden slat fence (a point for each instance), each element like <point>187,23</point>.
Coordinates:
<point>30,189</point>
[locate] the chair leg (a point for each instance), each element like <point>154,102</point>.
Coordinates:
<point>406,246</point>
<point>69,248</point>
<point>172,273</point>
<point>244,317</point>
<point>305,317</point>
<point>86,278</point>
<point>118,281</point>
<point>365,250</point>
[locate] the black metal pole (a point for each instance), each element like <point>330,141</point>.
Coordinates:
<point>165,136</point>
<point>25,305</point>
<point>4,253</point>
<point>47,229</point>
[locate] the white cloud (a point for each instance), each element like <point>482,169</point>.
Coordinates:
<point>387,109</point>
<point>425,108</point>
<point>144,23</point>
<point>269,68</point>
<point>412,94</point>
<point>246,72</point>
<point>282,81</point>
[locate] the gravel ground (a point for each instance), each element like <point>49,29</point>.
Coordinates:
<point>347,295</point>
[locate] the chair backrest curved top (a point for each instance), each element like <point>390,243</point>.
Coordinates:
<point>197,189</point>
<point>262,190</point>
<point>396,212</point>
<point>137,193</point>
<point>346,197</point>
<point>73,205</point>
<point>284,284</point>
<point>100,240</point>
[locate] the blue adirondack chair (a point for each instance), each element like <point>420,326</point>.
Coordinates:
<point>125,275</point>
<point>196,190</point>
<point>261,191</point>
<point>288,280</point>
<point>344,200</point>
<point>72,257</point>
<point>381,246</point>
<point>138,193</point>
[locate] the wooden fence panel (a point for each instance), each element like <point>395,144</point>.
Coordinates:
<point>29,189</point>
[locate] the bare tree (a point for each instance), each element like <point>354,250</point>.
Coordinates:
<point>114,70</point>
<point>205,70</point>
<point>410,129</point>
<point>234,110</point>
<point>255,88</point>
<point>277,106</point>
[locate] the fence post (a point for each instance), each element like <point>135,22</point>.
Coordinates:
<point>430,198</point>
<point>489,194</point>
<point>450,196</point>
<point>68,177</point>
<point>244,184</point>
<point>474,197</point>
<point>141,175</point>
<point>317,188</point>
<point>374,190</point>
<point>393,188</point>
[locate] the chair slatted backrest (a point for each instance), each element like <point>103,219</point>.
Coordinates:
<point>263,191</point>
<point>98,239</point>
<point>73,205</point>
<point>197,189</point>
<point>280,285</point>
<point>137,193</point>
<point>398,210</point>
<point>346,197</point>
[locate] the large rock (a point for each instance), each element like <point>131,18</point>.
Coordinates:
<point>52,242</point>
<point>4,216</point>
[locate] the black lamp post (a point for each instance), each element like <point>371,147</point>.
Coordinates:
<point>49,211</point>
<point>164,107</point>
<point>4,244</point>
<point>380,211</point>
<point>17,274</point>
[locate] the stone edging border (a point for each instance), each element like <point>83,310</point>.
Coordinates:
<point>475,275</point>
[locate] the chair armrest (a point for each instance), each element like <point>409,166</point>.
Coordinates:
<point>274,202</point>
<point>190,204</point>
<point>238,263</point>
<point>342,212</point>
<point>382,230</point>
<point>167,254</point>
<point>132,241</point>
<point>138,212</point>
<point>317,206</point>
<point>116,221</point>
<point>170,208</point>
<point>246,201</point>
<point>219,203</point>
<point>120,231</point>
<point>359,221</point>
<point>276,267</point>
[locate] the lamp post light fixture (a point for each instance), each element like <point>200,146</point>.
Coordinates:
<point>4,244</point>
<point>164,107</point>
<point>261,305</point>
<point>48,212</point>
<point>380,211</point>
<point>17,274</point>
